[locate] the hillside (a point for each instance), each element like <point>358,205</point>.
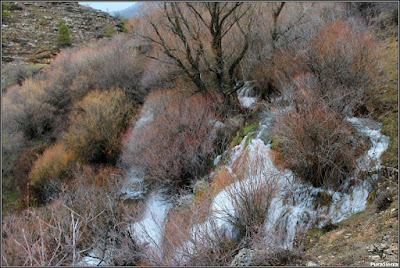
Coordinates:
<point>29,29</point>
<point>200,134</point>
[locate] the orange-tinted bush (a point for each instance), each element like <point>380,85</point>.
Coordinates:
<point>342,59</point>
<point>175,146</point>
<point>98,123</point>
<point>52,167</point>
<point>344,52</point>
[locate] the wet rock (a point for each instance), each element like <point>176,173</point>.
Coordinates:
<point>376,257</point>
<point>388,173</point>
<point>313,263</point>
<point>391,258</point>
<point>381,246</point>
<point>394,213</point>
<point>385,238</point>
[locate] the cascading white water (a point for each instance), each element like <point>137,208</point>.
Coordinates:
<point>149,229</point>
<point>247,95</point>
<point>293,207</point>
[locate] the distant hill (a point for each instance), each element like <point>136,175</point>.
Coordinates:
<point>131,11</point>
<point>29,29</point>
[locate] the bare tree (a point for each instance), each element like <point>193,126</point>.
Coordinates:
<point>197,37</point>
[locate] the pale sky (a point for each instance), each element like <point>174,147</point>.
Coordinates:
<point>108,6</point>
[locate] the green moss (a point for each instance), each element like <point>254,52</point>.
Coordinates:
<point>249,127</point>
<point>3,10</point>
<point>12,196</point>
<point>242,133</point>
<point>43,22</point>
<point>200,188</point>
<point>236,140</point>
<point>10,201</point>
<point>124,23</point>
<point>274,143</point>
<point>357,214</point>
<point>249,137</point>
<point>239,116</point>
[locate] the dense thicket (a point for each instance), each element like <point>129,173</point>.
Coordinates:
<point>97,125</point>
<point>180,138</point>
<point>181,65</point>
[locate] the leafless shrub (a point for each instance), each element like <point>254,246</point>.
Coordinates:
<point>371,12</point>
<point>278,29</point>
<point>87,216</point>
<point>12,74</point>
<point>98,123</point>
<point>208,245</point>
<point>250,195</point>
<point>51,168</point>
<point>11,147</point>
<point>197,38</point>
<point>99,65</point>
<point>314,142</point>
<point>25,110</point>
<point>340,61</point>
<point>178,141</point>
<point>277,257</point>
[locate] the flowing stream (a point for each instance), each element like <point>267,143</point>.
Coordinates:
<point>293,206</point>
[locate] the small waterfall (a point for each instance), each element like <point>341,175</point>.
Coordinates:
<point>294,207</point>
<point>248,95</point>
<point>149,229</point>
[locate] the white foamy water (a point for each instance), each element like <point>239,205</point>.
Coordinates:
<point>146,115</point>
<point>134,184</point>
<point>245,96</point>
<point>149,229</point>
<point>293,207</point>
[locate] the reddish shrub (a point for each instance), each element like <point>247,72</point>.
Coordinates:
<point>340,61</point>
<point>314,142</point>
<point>176,145</point>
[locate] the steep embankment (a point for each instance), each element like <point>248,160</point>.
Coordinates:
<point>29,29</point>
<point>370,236</point>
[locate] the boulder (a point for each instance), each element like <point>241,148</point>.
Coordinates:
<point>243,258</point>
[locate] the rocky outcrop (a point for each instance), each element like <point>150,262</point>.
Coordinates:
<point>243,258</point>
<point>29,29</point>
<point>260,257</point>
